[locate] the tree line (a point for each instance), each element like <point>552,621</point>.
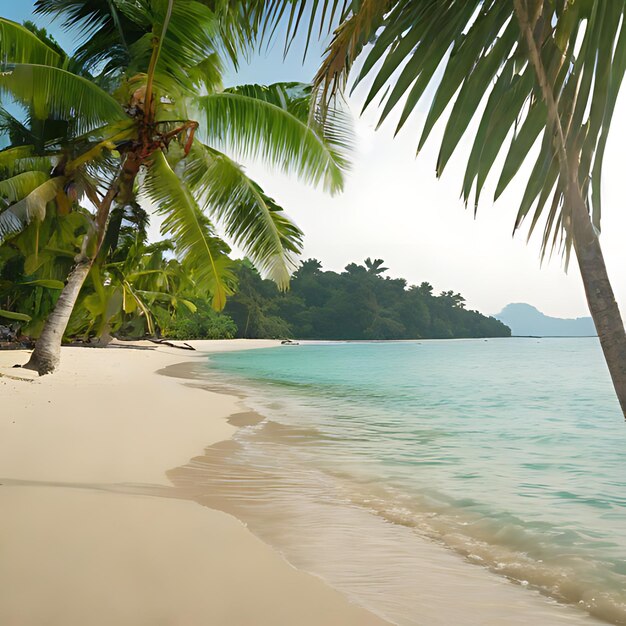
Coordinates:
<point>358,303</point>
<point>141,289</point>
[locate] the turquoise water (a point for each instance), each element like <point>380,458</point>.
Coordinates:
<point>512,452</point>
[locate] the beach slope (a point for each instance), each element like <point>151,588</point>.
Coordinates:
<point>91,530</point>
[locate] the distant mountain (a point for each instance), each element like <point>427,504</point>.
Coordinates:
<point>525,320</point>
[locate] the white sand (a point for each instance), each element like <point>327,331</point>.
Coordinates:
<point>79,542</point>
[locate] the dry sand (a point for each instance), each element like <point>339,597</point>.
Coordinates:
<point>88,533</point>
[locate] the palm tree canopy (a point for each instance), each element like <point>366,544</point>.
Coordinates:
<point>471,56</point>
<point>143,73</point>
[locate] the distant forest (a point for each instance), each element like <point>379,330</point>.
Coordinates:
<point>358,303</point>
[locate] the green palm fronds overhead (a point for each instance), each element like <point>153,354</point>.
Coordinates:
<point>87,115</point>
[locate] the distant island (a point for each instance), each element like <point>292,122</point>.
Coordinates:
<point>358,303</point>
<point>525,320</point>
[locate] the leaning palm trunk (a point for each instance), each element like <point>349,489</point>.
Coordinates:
<point>47,353</point>
<point>600,298</point>
<point>602,305</point>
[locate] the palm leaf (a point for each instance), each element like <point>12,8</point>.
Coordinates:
<point>56,93</point>
<point>462,54</point>
<point>188,42</point>
<point>10,156</point>
<point>195,240</point>
<point>21,159</point>
<point>19,186</point>
<point>251,219</point>
<point>12,315</point>
<point>48,283</point>
<point>103,30</point>
<point>271,124</point>
<point>264,17</point>
<point>19,45</point>
<point>33,207</point>
<point>348,42</point>
<point>16,131</point>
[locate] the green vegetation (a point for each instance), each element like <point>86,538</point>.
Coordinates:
<point>131,296</point>
<point>138,121</point>
<point>135,289</point>
<point>359,303</point>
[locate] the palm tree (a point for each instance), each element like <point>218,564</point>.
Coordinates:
<point>146,118</point>
<point>536,73</point>
<point>375,267</point>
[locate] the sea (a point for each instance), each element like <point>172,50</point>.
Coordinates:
<point>478,481</point>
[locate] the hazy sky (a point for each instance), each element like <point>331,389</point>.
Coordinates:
<point>394,208</point>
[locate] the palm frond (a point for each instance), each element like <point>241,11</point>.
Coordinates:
<point>33,207</point>
<point>19,45</point>
<point>21,159</point>
<point>471,56</point>
<point>196,241</point>
<point>348,42</point>
<point>17,187</point>
<point>272,123</point>
<point>207,74</point>
<point>251,219</point>
<point>103,29</point>
<point>53,92</point>
<point>119,36</point>
<point>10,156</point>
<point>188,42</point>
<point>266,18</point>
<point>16,131</point>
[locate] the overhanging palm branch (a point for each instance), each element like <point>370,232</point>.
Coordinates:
<point>318,17</point>
<point>351,36</point>
<point>18,216</point>
<point>19,45</point>
<point>195,240</point>
<point>478,50</point>
<point>269,123</point>
<point>54,92</point>
<point>251,219</point>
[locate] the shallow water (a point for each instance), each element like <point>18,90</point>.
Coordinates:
<point>509,452</point>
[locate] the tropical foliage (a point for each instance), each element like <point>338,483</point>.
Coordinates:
<point>134,289</point>
<point>139,118</point>
<point>358,303</point>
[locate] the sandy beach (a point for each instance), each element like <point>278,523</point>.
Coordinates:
<point>89,530</point>
<point>113,511</point>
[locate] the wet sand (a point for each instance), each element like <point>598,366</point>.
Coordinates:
<point>317,522</point>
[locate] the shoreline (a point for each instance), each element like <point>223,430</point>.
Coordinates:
<point>179,550</point>
<point>243,475</point>
<point>92,531</point>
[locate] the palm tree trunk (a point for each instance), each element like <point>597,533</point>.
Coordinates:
<point>47,353</point>
<point>601,300</point>
<point>46,356</point>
